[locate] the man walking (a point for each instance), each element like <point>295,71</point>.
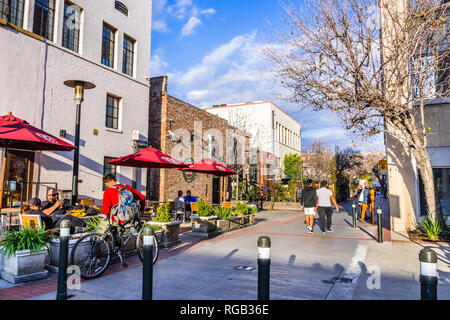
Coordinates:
<point>324,207</point>
<point>308,201</point>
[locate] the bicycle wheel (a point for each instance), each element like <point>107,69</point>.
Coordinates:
<point>92,255</point>
<point>140,247</point>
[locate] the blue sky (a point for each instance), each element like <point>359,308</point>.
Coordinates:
<point>212,53</point>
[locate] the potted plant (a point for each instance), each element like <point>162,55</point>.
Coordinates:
<point>223,218</point>
<point>170,229</point>
<point>22,254</point>
<point>93,225</point>
<point>204,223</point>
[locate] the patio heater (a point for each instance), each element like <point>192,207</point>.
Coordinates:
<point>79,87</point>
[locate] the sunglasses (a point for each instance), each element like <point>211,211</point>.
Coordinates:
<point>54,194</point>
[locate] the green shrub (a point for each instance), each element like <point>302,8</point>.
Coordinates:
<point>92,224</point>
<point>430,227</point>
<point>223,213</point>
<point>204,209</point>
<point>241,209</point>
<point>252,209</point>
<point>32,239</point>
<point>164,213</point>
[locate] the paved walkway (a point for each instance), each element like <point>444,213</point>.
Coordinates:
<point>345,264</point>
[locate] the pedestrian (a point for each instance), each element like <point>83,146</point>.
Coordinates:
<point>372,203</point>
<point>364,200</point>
<point>111,195</point>
<point>308,201</point>
<point>324,207</point>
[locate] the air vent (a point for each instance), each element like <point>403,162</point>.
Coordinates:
<point>121,7</point>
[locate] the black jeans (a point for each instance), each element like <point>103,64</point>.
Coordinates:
<point>325,212</point>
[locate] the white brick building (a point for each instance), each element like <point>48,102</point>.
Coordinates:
<point>46,42</point>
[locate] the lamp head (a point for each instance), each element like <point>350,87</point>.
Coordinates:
<point>79,87</point>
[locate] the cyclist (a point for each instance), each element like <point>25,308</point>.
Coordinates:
<point>111,195</point>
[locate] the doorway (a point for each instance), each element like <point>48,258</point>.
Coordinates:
<point>19,172</point>
<point>216,190</point>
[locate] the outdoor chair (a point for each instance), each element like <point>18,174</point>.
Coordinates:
<point>30,220</point>
<point>180,212</point>
<point>226,205</point>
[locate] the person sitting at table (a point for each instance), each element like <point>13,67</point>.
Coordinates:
<point>33,206</point>
<point>189,198</point>
<point>179,201</point>
<point>56,210</point>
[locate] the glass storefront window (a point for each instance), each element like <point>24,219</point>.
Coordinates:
<point>442,185</point>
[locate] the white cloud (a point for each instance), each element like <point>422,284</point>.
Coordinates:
<point>208,12</point>
<point>158,66</point>
<point>160,26</point>
<point>189,27</point>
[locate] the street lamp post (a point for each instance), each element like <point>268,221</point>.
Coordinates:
<point>79,87</point>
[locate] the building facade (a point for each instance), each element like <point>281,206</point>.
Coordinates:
<point>273,130</point>
<point>105,42</point>
<point>406,194</point>
<point>190,134</point>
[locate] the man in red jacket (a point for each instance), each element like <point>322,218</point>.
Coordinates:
<point>111,195</point>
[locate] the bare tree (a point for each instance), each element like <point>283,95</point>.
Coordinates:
<point>317,161</point>
<point>376,74</point>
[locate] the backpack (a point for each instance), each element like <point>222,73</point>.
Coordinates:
<point>126,208</point>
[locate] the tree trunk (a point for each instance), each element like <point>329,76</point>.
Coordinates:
<point>426,173</point>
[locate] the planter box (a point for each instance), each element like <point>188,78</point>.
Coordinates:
<point>223,225</point>
<point>204,226</point>
<point>168,236</point>
<point>23,266</point>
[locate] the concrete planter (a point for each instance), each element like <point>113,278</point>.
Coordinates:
<point>236,223</point>
<point>223,225</point>
<point>204,226</point>
<point>52,259</point>
<point>23,266</point>
<point>169,233</point>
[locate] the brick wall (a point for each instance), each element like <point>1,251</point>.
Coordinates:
<point>169,113</point>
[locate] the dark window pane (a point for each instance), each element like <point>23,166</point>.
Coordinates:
<point>12,11</point>
<point>112,112</point>
<point>71,27</point>
<point>128,56</point>
<point>43,18</point>
<point>108,46</point>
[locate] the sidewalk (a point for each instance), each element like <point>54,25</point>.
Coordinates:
<point>339,265</point>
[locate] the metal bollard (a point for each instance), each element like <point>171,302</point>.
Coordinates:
<point>380,224</point>
<point>147,279</point>
<point>63,259</point>
<point>428,275</point>
<point>354,204</point>
<point>264,268</point>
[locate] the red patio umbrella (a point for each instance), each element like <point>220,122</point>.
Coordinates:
<point>210,166</point>
<point>149,158</point>
<point>16,133</point>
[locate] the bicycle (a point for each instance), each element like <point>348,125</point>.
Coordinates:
<point>92,252</point>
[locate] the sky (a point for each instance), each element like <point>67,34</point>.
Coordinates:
<point>212,53</point>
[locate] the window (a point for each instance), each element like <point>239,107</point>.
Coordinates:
<point>71,27</point>
<point>121,7</point>
<point>108,42</point>
<point>12,11</point>
<point>44,14</point>
<point>112,112</point>
<point>442,185</point>
<point>128,56</point>
<point>108,168</point>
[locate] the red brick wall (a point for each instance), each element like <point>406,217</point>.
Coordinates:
<point>166,108</point>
